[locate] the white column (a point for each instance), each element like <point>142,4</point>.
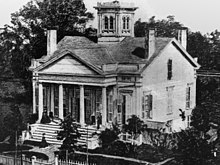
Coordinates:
<point>34,96</point>
<point>82,106</point>
<point>99,24</point>
<point>104,106</point>
<point>52,98</point>
<point>40,102</point>
<point>60,101</point>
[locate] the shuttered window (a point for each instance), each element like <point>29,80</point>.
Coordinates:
<point>189,95</point>
<point>169,69</point>
<point>147,105</point>
<point>170,99</point>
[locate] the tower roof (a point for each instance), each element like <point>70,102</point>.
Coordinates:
<point>115,4</point>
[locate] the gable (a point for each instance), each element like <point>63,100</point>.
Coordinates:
<point>157,71</point>
<point>68,64</point>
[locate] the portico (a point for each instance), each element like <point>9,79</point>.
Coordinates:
<point>83,102</point>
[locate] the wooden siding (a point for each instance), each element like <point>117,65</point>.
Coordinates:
<point>68,65</point>
<point>155,80</point>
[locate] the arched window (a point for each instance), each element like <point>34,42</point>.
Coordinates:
<point>128,22</point>
<point>106,22</point>
<point>111,22</point>
<point>124,23</point>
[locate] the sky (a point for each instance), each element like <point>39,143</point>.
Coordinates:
<point>197,15</point>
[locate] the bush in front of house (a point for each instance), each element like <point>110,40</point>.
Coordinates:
<point>32,118</point>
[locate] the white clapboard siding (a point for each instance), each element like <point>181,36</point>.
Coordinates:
<point>68,64</point>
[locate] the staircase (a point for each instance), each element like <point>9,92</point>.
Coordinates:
<point>50,130</point>
<point>50,133</point>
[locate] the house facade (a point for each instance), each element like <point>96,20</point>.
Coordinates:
<point>120,76</point>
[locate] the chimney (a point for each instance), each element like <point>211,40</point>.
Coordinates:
<point>182,37</point>
<point>151,43</point>
<point>51,42</point>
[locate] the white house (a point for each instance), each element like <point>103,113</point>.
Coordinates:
<point>117,77</point>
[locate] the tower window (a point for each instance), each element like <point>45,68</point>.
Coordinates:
<point>106,22</point>
<point>169,69</point>
<point>128,21</point>
<point>111,22</point>
<point>124,23</point>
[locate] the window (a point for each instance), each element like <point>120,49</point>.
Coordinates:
<point>128,21</point>
<point>169,68</point>
<point>111,22</point>
<point>106,22</point>
<point>188,121</point>
<point>110,108</point>
<point>124,23</point>
<point>189,96</point>
<point>147,105</point>
<point>170,100</point>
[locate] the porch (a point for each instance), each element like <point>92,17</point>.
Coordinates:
<point>85,103</point>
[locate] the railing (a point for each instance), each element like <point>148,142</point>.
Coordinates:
<point>9,160</point>
<point>60,162</point>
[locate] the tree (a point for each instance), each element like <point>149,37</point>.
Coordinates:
<point>108,136</point>
<point>13,122</point>
<point>26,39</point>
<point>164,28</point>
<point>193,148</point>
<point>69,134</point>
<point>134,127</point>
<point>205,47</point>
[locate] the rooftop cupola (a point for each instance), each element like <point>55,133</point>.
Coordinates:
<point>115,21</point>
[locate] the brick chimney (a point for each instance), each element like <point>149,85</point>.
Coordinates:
<point>51,42</point>
<point>151,43</point>
<point>182,37</point>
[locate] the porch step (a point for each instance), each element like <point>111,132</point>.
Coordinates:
<point>51,130</point>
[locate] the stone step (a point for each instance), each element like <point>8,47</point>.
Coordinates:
<point>50,130</point>
<point>50,141</point>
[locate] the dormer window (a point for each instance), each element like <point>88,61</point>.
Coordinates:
<point>169,69</point>
<point>106,22</point>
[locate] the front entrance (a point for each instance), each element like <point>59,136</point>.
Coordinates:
<point>125,107</point>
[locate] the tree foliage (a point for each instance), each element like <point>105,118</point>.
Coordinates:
<point>108,136</point>
<point>69,134</point>
<point>205,47</point>
<point>25,38</point>
<point>193,148</point>
<point>13,122</point>
<point>134,126</point>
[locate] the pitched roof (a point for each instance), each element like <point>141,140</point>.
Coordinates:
<point>133,49</point>
<point>85,49</point>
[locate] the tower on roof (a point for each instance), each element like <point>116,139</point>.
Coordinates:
<point>115,21</point>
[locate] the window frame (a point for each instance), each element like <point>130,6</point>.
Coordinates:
<point>170,91</point>
<point>111,23</point>
<point>106,23</point>
<point>147,105</point>
<point>169,69</point>
<point>189,96</point>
